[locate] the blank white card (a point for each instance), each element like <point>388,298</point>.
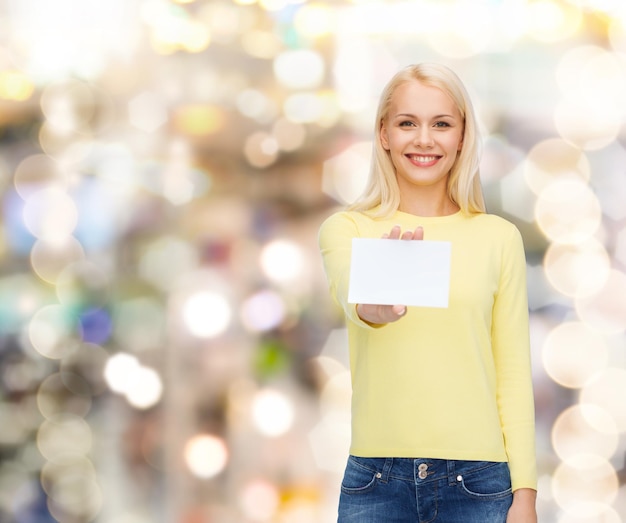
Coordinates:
<point>400,272</point>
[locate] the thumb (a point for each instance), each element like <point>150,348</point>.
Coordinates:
<point>400,310</point>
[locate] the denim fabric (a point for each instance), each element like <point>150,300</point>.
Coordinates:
<point>402,490</point>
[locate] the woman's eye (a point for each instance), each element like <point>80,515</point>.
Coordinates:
<point>406,123</point>
<point>442,124</point>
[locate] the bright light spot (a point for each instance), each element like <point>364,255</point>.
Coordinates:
<point>467,31</point>
<point>146,388</point>
<point>617,33</point>
<point>141,385</point>
<point>551,21</point>
<point>198,120</point>
<point>51,215</point>
<point>64,435</point>
<point>54,392</point>
<point>554,159</point>
<point>299,69</point>
<point>74,492</point>
<point>282,260</point>
<point>120,372</point>
<point>598,418</point>
<point>51,331</point>
<point>48,260</point>
<point>567,211</point>
<point>330,443</point>
<point>261,149</point>
<point>255,104</point>
<point>206,455</point>
<point>174,29</point>
<point>147,111</point>
<point>605,310</point>
<point>572,435</point>
<point>345,175</point>
<point>604,76</point>
<point>592,73</point>
<point>36,172</point>
<point>607,390</point>
<point>273,5</point>
<point>15,86</point>
<point>207,314</point>
<point>315,20</point>
<point>261,44</point>
<point>336,395</point>
<point>583,482</point>
<point>577,270</point>
<point>353,72</point>
<point>272,412</point>
<point>263,311</point>
<point>573,61</point>
<point>590,124</point>
<point>72,484</point>
<point>572,353</point>
<point>259,500</point>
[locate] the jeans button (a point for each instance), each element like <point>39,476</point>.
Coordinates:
<point>421,471</point>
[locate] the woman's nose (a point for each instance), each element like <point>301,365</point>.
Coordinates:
<point>424,137</point>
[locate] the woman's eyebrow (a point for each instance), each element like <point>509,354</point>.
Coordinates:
<point>409,115</point>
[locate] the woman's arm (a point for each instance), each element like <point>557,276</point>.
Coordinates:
<point>523,508</point>
<point>511,351</point>
<point>335,240</point>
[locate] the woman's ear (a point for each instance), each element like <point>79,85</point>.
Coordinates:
<point>384,140</point>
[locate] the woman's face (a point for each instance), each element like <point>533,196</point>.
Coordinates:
<point>423,133</point>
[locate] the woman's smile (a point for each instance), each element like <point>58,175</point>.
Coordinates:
<point>422,160</point>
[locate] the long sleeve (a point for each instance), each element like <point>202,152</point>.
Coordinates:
<point>335,242</point>
<point>510,345</point>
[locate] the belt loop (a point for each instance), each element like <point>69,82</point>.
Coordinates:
<point>387,469</point>
<point>451,472</point>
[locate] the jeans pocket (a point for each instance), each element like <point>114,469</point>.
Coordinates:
<point>489,482</point>
<point>361,475</point>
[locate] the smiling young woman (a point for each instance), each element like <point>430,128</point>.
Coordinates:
<point>423,134</point>
<point>442,403</point>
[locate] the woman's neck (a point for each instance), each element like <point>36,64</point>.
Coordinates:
<point>428,206</point>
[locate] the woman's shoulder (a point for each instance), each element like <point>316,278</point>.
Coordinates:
<point>346,217</point>
<point>495,222</point>
<point>495,228</point>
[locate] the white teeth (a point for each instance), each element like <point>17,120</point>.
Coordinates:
<point>424,159</point>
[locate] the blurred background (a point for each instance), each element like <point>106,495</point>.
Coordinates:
<point>168,349</point>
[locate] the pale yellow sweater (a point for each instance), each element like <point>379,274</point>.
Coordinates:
<point>451,383</point>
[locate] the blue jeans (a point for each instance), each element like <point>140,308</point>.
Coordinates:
<point>403,490</point>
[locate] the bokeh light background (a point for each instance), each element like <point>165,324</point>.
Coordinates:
<point>168,349</point>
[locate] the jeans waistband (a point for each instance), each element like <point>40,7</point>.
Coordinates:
<point>423,470</point>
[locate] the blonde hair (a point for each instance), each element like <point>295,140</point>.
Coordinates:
<point>464,187</point>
